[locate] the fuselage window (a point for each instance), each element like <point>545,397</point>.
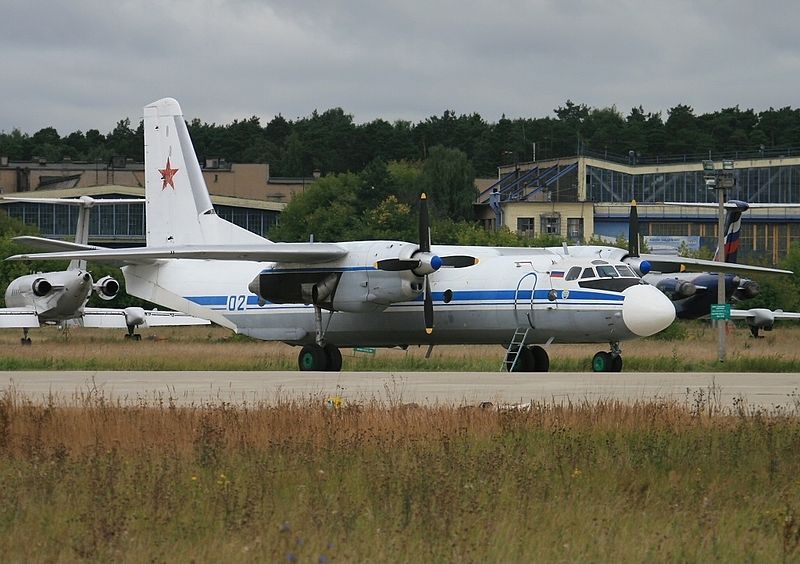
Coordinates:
<point>625,271</point>
<point>607,272</point>
<point>573,273</point>
<point>588,273</point>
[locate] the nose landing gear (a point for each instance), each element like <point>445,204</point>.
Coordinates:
<point>608,361</point>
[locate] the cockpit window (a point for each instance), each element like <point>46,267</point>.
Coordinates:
<point>625,271</point>
<point>588,273</point>
<point>607,272</point>
<point>573,273</point>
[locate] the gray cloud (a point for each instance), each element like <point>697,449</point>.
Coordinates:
<point>87,64</point>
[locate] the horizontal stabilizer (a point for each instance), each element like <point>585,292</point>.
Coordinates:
<point>18,317</point>
<point>54,245</point>
<point>269,252</point>
<point>107,318</point>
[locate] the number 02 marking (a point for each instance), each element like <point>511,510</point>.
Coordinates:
<point>236,303</point>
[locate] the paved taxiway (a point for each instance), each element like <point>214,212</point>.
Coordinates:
<point>766,391</point>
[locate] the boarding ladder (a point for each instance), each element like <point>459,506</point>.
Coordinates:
<point>514,348</point>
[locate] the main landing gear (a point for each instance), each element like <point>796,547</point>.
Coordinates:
<point>532,358</point>
<point>608,361</point>
<point>25,341</point>
<point>320,356</point>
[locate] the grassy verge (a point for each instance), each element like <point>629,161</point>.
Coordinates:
<point>298,482</point>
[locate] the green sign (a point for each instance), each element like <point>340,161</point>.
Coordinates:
<point>368,350</point>
<point>720,311</point>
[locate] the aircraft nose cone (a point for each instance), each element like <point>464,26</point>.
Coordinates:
<point>646,310</point>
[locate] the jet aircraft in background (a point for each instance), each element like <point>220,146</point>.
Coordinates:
<point>60,297</point>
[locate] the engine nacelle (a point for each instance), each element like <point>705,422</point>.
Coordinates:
<point>41,287</point>
<point>134,316</point>
<point>747,289</point>
<point>107,288</point>
<point>387,288</point>
<point>761,318</point>
<point>676,289</point>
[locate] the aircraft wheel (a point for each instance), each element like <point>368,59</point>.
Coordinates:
<point>541,362</point>
<point>25,341</point>
<point>334,357</point>
<point>616,363</point>
<point>127,335</point>
<point>312,357</point>
<point>602,362</point>
<point>137,337</point>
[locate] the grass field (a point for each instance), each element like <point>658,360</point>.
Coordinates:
<point>602,483</point>
<point>214,348</point>
<point>90,479</point>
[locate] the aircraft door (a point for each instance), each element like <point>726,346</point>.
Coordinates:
<point>523,300</point>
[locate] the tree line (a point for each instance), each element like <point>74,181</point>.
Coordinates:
<point>332,142</point>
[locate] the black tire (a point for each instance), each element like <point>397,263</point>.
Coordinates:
<point>616,363</point>
<point>312,357</point>
<point>524,362</point>
<point>334,358</point>
<point>541,361</point>
<point>25,341</point>
<point>137,337</point>
<point>602,362</point>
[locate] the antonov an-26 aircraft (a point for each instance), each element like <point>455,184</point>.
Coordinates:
<point>323,296</point>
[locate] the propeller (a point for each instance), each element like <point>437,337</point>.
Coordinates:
<point>424,263</point>
<point>633,231</point>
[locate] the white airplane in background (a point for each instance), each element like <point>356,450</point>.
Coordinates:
<point>60,297</point>
<point>323,296</point>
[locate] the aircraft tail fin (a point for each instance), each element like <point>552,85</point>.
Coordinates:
<point>178,207</point>
<point>733,227</point>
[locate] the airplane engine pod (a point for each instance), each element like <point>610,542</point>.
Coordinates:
<point>107,288</point>
<point>41,287</point>
<point>676,289</point>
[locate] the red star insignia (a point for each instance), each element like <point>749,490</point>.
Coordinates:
<point>167,174</point>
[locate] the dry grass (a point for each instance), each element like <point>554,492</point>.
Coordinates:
<point>198,348</point>
<point>608,482</point>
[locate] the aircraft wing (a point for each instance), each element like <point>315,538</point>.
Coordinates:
<point>757,313</point>
<point>669,264</point>
<point>18,317</point>
<point>108,318</point>
<point>268,252</point>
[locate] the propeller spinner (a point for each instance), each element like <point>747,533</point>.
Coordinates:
<point>423,262</point>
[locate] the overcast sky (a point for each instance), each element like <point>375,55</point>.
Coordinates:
<point>86,64</point>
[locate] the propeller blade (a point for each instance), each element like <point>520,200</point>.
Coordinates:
<point>396,265</point>
<point>424,225</point>
<point>633,231</point>
<point>459,261</point>
<point>428,307</point>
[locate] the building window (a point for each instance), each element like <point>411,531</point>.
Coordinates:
<point>525,225</point>
<point>551,224</point>
<point>575,228</point>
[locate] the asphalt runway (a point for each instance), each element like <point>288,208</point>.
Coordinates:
<point>762,391</point>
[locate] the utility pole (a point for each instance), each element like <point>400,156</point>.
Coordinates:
<point>720,181</point>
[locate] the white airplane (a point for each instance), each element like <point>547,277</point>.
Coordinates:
<point>323,296</point>
<point>60,297</point>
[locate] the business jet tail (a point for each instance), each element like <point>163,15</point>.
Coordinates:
<point>178,208</point>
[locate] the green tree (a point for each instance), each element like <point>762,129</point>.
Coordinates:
<point>449,181</point>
